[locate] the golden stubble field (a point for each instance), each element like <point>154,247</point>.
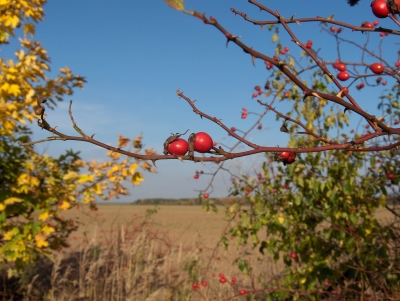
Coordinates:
<point>193,254</point>
<point>159,258</point>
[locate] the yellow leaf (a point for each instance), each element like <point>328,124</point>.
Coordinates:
<point>10,234</point>
<point>2,207</point>
<point>113,155</point>
<point>137,178</point>
<point>133,168</point>
<point>48,229</point>
<point>4,2</point>
<point>97,189</point>
<point>41,240</point>
<point>125,173</point>
<point>44,216</point>
<point>11,20</point>
<point>10,201</point>
<point>71,176</point>
<point>303,280</point>
<point>65,205</point>
<point>176,4</point>
<point>281,219</point>
<point>113,169</point>
<point>85,178</point>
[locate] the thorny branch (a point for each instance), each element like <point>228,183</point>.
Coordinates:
<point>219,155</point>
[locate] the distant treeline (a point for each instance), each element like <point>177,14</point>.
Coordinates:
<point>185,202</point>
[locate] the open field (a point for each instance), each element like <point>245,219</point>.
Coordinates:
<point>118,254</point>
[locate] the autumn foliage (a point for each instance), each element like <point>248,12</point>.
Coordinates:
<point>35,188</point>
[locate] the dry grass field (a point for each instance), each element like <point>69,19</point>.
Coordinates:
<point>119,254</point>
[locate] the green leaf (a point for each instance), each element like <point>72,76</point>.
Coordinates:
<point>176,4</point>
<point>274,38</point>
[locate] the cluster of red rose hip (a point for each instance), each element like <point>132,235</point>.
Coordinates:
<point>203,143</point>
<point>222,279</point>
<point>343,75</point>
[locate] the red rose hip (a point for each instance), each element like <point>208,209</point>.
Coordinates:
<point>377,68</point>
<point>178,147</point>
<point>203,143</point>
<point>379,8</point>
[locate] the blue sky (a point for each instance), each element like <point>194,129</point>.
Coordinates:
<point>135,54</point>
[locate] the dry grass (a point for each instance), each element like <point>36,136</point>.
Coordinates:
<point>118,254</point>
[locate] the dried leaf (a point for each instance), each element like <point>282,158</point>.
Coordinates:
<point>176,4</point>
<point>122,141</point>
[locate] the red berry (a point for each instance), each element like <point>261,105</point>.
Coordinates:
<point>203,142</point>
<point>259,127</point>
<point>333,29</point>
<point>206,195</point>
<point>204,283</point>
<point>397,64</point>
<point>234,279</point>
<point>283,51</point>
<point>384,83</point>
<point>379,8</point>
<point>376,22</point>
<point>222,280</point>
<point>258,88</point>
<point>381,34</point>
<point>293,255</point>
<point>286,49</point>
<point>196,176</point>
<point>233,129</point>
<point>396,121</point>
<point>286,95</point>
<point>377,68</point>
<point>339,30</point>
<point>244,115</point>
<point>243,292</point>
<point>178,147</point>
<point>341,67</point>
<point>254,95</point>
<point>285,157</point>
<point>346,90</point>
<point>367,25</point>
<point>343,76</point>
<point>244,109</point>
<point>390,176</point>
<point>221,275</point>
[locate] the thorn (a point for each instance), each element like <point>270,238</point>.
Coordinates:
<point>345,109</point>
<point>180,159</point>
<point>298,23</point>
<point>262,26</point>
<point>202,162</point>
<point>284,128</point>
<point>331,17</point>
<point>292,18</point>
<point>381,118</point>
<point>154,162</point>
<point>253,59</point>
<point>91,137</point>
<point>316,95</point>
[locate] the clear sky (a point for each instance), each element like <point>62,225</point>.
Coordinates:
<point>136,53</point>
